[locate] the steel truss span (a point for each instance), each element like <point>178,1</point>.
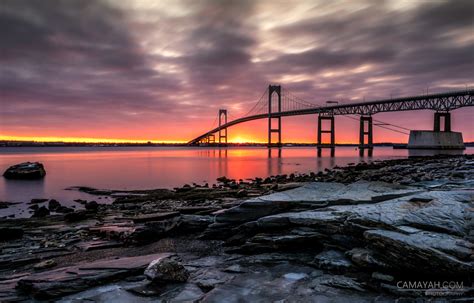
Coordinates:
<point>443,102</point>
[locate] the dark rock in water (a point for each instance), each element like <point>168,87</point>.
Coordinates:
<point>5,204</point>
<point>166,269</point>
<point>76,216</point>
<point>37,201</point>
<point>53,205</point>
<point>10,233</point>
<point>64,210</point>
<point>25,171</point>
<point>92,205</point>
<point>41,212</point>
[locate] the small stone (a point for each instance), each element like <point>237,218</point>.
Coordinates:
<point>166,269</point>
<point>45,264</point>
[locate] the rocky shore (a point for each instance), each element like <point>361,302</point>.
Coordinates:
<point>398,230</point>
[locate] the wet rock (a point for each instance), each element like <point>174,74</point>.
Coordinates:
<point>97,244</point>
<point>63,281</point>
<point>382,277</point>
<point>241,193</point>
<point>333,260</point>
<point>10,233</point>
<point>423,252</point>
<point>344,282</point>
<point>75,216</point>
<point>193,223</point>
<point>53,205</point>
<point>166,269</point>
<point>45,265</point>
<point>367,259</point>
<point>311,196</point>
<point>5,204</point>
<point>92,205</point>
<point>422,199</point>
<point>25,171</point>
<point>36,201</point>
<point>154,217</point>
<point>64,210</point>
<point>41,212</point>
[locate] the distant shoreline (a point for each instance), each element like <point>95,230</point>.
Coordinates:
<point>85,144</point>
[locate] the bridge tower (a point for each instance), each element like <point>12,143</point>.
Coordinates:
<point>366,120</point>
<point>222,133</point>
<point>437,121</point>
<point>274,89</point>
<point>328,117</point>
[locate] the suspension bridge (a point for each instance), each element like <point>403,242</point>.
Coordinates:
<point>277,102</point>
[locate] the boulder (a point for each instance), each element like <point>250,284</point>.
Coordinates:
<point>166,269</point>
<point>25,171</point>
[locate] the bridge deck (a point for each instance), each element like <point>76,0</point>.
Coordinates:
<point>439,102</point>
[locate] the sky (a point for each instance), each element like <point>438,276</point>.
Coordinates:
<point>160,70</point>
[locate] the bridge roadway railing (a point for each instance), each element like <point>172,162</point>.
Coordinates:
<point>439,102</point>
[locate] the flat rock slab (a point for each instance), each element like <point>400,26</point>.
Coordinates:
<point>313,195</point>
<point>97,244</point>
<point>154,217</point>
<point>68,280</point>
<point>358,192</point>
<point>423,251</point>
<point>447,211</point>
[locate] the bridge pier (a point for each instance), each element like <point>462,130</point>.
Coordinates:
<point>366,120</point>
<point>321,131</point>
<point>439,138</point>
<point>211,139</point>
<point>274,89</point>
<point>222,133</point>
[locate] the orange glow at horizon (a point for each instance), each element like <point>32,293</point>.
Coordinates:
<point>299,129</point>
<point>83,140</point>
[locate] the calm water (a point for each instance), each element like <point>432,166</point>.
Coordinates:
<point>155,167</point>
